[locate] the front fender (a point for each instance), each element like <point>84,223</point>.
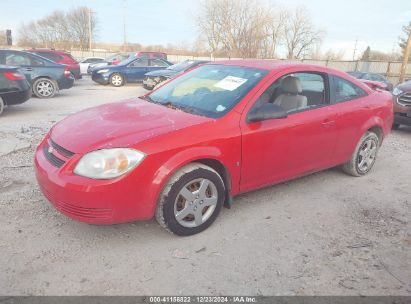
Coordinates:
<point>179,160</point>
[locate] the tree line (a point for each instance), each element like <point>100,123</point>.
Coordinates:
<point>60,29</point>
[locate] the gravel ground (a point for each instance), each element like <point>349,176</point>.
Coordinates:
<point>324,234</point>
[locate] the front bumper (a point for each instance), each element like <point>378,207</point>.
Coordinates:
<point>92,201</point>
<point>101,78</point>
<point>402,114</point>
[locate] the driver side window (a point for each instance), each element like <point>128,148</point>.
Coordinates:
<point>296,92</point>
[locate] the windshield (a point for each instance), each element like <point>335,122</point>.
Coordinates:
<point>210,90</point>
<point>181,66</point>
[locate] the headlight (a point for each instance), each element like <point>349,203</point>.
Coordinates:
<point>108,163</point>
<point>396,92</point>
<point>103,71</point>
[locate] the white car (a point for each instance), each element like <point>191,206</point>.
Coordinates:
<point>87,61</point>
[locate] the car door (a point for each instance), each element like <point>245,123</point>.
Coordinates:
<point>352,106</point>
<point>279,149</point>
<point>136,70</point>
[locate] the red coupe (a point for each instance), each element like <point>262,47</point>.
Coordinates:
<point>186,149</point>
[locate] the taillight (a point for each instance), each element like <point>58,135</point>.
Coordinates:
<point>67,72</point>
<point>14,75</point>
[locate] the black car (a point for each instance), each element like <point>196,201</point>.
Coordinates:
<point>373,77</point>
<point>402,104</point>
<point>14,87</point>
<point>152,79</point>
<point>45,76</point>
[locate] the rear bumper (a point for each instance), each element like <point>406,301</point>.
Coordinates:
<point>65,83</point>
<point>18,97</point>
<point>76,73</point>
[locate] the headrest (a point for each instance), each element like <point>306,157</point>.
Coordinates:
<point>291,85</point>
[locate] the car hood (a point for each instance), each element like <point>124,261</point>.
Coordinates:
<point>164,73</point>
<point>405,86</point>
<point>121,124</point>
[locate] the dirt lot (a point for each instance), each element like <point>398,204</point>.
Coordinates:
<point>325,234</point>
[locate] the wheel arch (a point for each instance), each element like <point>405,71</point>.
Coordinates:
<point>208,156</point>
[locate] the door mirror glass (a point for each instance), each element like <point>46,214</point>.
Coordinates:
<point>265,112</point>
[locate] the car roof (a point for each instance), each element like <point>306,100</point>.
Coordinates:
<point>49,51</point>
<point>272,65</point>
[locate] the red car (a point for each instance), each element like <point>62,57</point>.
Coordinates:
<point>60,57</point>
<point>186,149</point>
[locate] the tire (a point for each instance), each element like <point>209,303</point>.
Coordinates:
<point>44,88</point>
<point>395,126</point>
<point>2,105</point>
<point>364,156</point>
<point>117,80</point>
<point>204,194</point>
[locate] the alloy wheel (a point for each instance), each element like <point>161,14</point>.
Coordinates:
<point>116,80</point>
<point>195,203</point>
<point>45,88</point>
<point>367,155</point>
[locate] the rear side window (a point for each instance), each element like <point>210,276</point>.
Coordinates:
<point>139,63</point>
<point>344,90</point>
<point>50,56</point>
<point>158,63</point>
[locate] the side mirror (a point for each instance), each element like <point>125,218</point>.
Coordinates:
<point>265,112</point>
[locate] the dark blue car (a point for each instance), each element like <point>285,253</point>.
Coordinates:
<point>45,76</point>
<point>152,79</point>
<point>132,70</point>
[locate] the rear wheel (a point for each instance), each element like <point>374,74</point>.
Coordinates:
<point>191,200</point>
<point>117,80</point>
<point>2,105</point>
<point>364,156</point>
<point>44,88</point>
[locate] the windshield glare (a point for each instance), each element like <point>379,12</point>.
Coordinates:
<point>210,90</point>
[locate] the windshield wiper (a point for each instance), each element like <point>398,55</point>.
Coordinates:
<point>149,99</point>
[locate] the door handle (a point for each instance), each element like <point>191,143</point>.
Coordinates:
<point>328,123</point>
<point>29,69</point>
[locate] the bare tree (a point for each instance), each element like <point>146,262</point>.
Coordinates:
<point>59,30</point>
<point>234,27</point>
<point>299,33</point>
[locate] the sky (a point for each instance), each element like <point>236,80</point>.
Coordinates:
<point>375,23</point>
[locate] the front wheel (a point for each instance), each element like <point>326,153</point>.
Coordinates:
<point>44,88</point>
<point>191,200</point>
<point>117,80</point>
<point>364,156</point>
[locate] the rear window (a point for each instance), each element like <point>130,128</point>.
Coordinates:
<point>345,90</point>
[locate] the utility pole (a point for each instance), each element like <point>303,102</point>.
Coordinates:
<point>355,49</point>
<point>89,29</point>
<point>405,59</point>
<point>124,26</point>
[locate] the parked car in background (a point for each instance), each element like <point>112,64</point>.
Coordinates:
<point>45,76</point>
<point>61,57</point>
<point>85,63</point>
<point>374,77</point>
<point>183,151</point>
<point>152,79</point>
<point>402,104</point>
<point>14,87</point>
<point>117,58</point>
<point>132,70</point>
